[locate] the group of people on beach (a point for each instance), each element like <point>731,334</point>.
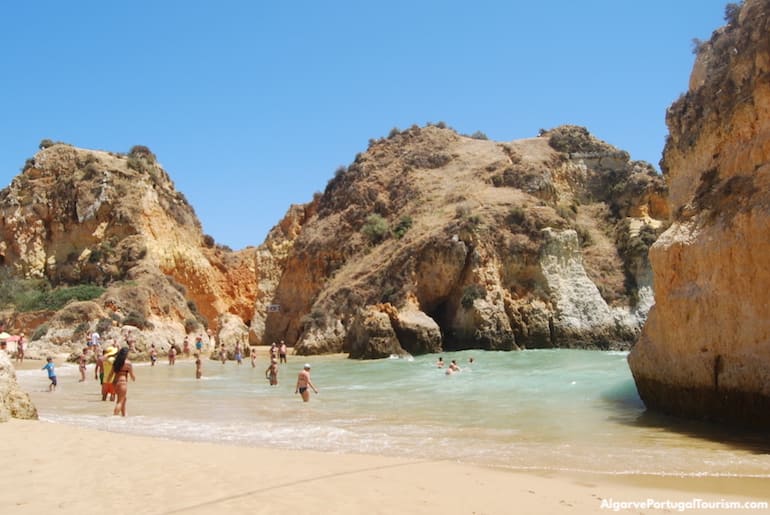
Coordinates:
<point>113,369</point>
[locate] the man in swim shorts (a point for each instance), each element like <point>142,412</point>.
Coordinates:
<point>304,382</point>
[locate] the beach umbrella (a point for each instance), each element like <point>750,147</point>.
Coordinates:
<point>4,336</point>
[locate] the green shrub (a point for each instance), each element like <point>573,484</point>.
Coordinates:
<point>517,216</point>
<point>103,325</point>
<point>403,225</point>
<point>208,240</point>
<point>479,135</point>
<point>143,152</point>
<point>81,329</point>
<point>40,331</point>
<point>53,300</point>
<point>46,143</point>
<point>375,228</point>
<point>136,319</point>
<point>584,236</point>
<point>732,10</point>
<point>471,293</point>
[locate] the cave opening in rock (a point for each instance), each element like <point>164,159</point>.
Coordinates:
<point>440,314</point>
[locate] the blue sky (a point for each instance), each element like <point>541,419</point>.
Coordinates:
<point>250,106</point>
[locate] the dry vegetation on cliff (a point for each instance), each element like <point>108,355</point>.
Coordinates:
<point>110,232</point>
<point>451,226</point>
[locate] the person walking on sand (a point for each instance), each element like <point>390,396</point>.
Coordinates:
<point>172,355</point>
<point>222,353</point>
<point>82,361</point>
<point>271,373</point>
<point>153,355</point>
<point>199,343</point>
<point>49,366</point>
<point>304,382</point>
<point>186,347</point>
<point>122,369</point>
<point>253,356</point>
<point>198,366</point>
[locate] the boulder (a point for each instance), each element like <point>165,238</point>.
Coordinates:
<point>14,403</point>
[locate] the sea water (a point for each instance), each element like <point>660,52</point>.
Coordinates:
<point>566,410</point>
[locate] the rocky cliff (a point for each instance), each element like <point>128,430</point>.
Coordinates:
<point>14,403</point>
<point>705,349</point>
<point>77,217</point>
<point>433,240</point>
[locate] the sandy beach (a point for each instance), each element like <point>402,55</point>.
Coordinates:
<point>53,468</point>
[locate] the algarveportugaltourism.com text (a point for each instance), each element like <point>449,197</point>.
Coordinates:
<point>693,504</point>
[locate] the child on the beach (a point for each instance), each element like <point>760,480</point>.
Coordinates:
<point>51,373</point>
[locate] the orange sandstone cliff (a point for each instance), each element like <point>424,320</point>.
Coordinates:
<point>87,217</point>
<point>434,240</point>
<point>705,349</point>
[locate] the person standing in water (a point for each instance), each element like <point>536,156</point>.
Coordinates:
<point>271,374</point>
<point>282,352</point>
<point>198,366</point>
<point>238,353</point>
<point>186,347</point>
<point>49,366</point>
<point>122,369</point>
<point>304,382</point>
<point>82,362</point>
<point>108,359</point>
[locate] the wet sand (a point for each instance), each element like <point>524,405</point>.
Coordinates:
<point>54,468</point>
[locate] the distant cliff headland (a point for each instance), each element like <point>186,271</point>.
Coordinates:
<point>429,240</point>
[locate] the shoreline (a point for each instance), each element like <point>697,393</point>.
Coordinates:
<point>81,470</point>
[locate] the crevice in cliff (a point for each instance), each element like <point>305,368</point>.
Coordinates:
<point>718,367</point>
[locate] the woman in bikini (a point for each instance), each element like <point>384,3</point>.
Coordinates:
<point>82,361</point>
<point>121,371</point>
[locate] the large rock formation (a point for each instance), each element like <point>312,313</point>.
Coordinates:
<point>432,240</point>
<point>77,217</point>
<point>705,349</point>
<point>14,403</point>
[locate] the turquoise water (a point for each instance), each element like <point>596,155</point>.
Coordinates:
<point>532,410</point>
